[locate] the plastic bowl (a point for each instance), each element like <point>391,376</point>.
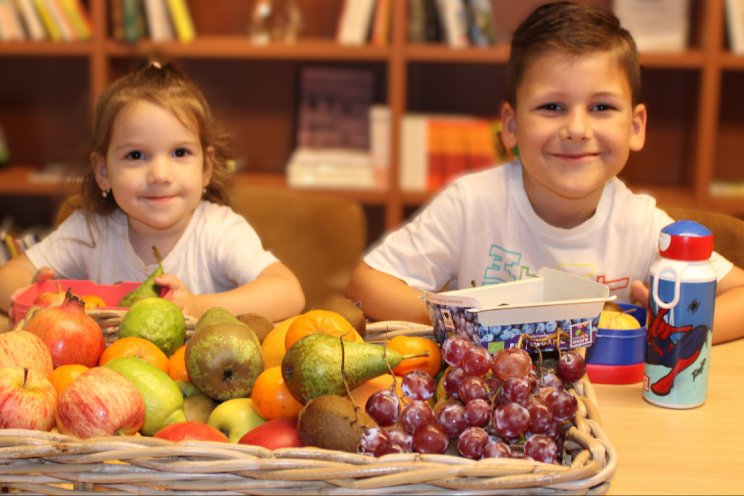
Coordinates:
<point>617,355</point>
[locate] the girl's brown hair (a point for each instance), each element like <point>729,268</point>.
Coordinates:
<point>170,88</point>
<point>575,30</point>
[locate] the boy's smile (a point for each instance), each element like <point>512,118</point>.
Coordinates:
<point>575,125</point>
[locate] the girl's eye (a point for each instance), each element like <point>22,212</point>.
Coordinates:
<point>180,152</point>
<point>134,155</point>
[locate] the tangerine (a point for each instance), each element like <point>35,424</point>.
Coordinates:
<point>416,345</point>
<point>317,322</point>
<point>134,346</point>
<point>272,345</point>
<point>271,396</point>
<point>363,391</point>
<point>63,375</point>
<point>177,365</point>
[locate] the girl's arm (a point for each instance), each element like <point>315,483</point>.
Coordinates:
<point>275,293</point>
<point>385,297</point>
<point>14,275</point>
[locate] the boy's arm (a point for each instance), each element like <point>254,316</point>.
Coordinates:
<point>727,322</point>
<point>275,293</point>
<point>385,297</point>
<point>15,274</point>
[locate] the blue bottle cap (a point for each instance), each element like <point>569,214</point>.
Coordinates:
<point>686,240</point>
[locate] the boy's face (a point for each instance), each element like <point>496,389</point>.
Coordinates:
<point>575,125</point>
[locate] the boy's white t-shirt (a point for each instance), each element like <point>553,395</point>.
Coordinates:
<point>482,228</point>
<point>218,251</point>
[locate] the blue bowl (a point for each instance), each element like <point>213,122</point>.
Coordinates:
<point>620,347</point>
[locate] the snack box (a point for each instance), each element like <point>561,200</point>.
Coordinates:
<point>111,293</point>
<point>497,315</point>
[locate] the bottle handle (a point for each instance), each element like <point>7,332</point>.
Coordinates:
<point>675,269</point>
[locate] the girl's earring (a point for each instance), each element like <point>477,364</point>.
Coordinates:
<point>204,191</point>
<point>105,193</point>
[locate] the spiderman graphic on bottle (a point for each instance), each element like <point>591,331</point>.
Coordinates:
<point>682,298</point>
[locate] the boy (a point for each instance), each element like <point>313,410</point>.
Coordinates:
<point>573,112</point>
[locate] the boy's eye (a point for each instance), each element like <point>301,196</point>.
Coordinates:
<point>552,107</point>
<point>602,107</point>
<point>134,155</point>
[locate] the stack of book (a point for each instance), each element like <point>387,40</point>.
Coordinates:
<point>364,21</point>
<point>14,242</point>
<point>159,20</point>
<point>36,20</point>
<point>458,23</point>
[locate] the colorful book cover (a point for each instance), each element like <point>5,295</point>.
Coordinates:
<point>182,21</point>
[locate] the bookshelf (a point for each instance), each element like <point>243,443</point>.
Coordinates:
<point>47,92</point>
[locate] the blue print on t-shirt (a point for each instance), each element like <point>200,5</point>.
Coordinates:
<point>505,266</point>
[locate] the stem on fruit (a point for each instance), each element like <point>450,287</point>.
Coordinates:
<point>156,252</point>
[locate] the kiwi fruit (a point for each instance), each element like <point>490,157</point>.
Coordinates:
<point>332,422</point>
<point>348,309</point>
<point>261,325</point>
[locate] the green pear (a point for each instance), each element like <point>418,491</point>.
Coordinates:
<point>148,288</point>
<point>312,366</point>
<point>220,315</point>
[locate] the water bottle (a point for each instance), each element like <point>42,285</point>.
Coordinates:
<point>682,299</point>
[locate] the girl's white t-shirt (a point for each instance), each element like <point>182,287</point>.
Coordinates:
<point>218,251</point>
<point>482,229</point>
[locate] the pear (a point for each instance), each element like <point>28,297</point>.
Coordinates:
<point>312,366</point>
<point>220,315</point>
<point>148,288</point>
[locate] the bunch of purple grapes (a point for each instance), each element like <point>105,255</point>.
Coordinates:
<point>496,406</point>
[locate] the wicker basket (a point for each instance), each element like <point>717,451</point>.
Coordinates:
<point>43,462</point>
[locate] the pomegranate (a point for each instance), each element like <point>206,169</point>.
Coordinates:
<point>72,336</point>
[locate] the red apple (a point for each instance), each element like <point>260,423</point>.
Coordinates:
<point>189,429</point>
<point>27,399</point>
<point>71,335</point>
<point>21,348</point>
<point>100,402</point>
<point>274,434</point>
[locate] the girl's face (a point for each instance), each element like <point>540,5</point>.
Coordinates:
<point>575,125</point>
<point>155,168</point>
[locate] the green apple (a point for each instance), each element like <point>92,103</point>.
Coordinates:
<point>611,319</point>
<point>235,417</point>
<point>196,405</point>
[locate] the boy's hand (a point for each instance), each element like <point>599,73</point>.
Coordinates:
<point>639,294</point>
<point>178,293</point>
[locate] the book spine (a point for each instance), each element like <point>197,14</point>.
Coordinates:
<point>158,22</point>
<point>381,23</point>
<point>79,18</point>
<point>133,28</point>
<point>10,23</point>
<point>182,21</point>
<point>60,19</point>
<point>31,20</point>
<point>47,20</point>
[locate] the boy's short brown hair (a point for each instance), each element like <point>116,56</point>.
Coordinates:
<point>575,30</point>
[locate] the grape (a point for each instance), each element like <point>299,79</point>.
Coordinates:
<point>471,442</point>
<point>418,385</point>
<point>430,438</point>
<point>471,388</point>
<point>452,381</point>
<point>476,361</point>
<point>493,384</point>
<point>516,389</point>
<point>416,413</point>
<point>452,419</point>
<point>478,412</point>
<point>511,420</point>
<point>373,439</point>
<point>550,379</point>
<point>541,448</point>
<point>454,348</point>
<point>384,407</point>
<point>401,438</point>
<point>562,403</point>
<point>511,362</point>
<point>496,449</point>
<point>571,366</point>
<point>541,416</point>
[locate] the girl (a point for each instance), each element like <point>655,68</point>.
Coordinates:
<point>159,178</point>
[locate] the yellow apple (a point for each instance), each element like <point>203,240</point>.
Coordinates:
<point>611,319</point>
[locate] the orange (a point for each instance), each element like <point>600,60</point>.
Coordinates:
<point>272,345</point>
<point>135,346</point>
<point>320,321</point>
<point>271,396</point>
<point>177,365</point>
<point>63,375</point>
<point>92,301</point>
<point>415,345</point>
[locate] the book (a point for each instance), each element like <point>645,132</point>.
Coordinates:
<point>480,22</point>
<point>132,21</point>
<point>379,135</point>
<point>454,20</point>
<point>330,168</point>
<point>59,17</point>
<point>11,27</point>
<point>31,21</point>
<point>182,21</point>
<point>78,18</point>
<point>381,22</point>
<point>656,25</point>
<point>159,25</point>
<point>47,20</point>
<point>735,25</point>
<point>355,22</point>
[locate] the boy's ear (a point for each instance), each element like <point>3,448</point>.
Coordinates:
<point>638,127</point>
<point>100,171</point>
<point>508,126</point>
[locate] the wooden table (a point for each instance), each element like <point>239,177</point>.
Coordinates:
<point>666,451</point>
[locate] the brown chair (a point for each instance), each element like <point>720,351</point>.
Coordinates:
<point>728,231</point>
<point>319,237</point>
